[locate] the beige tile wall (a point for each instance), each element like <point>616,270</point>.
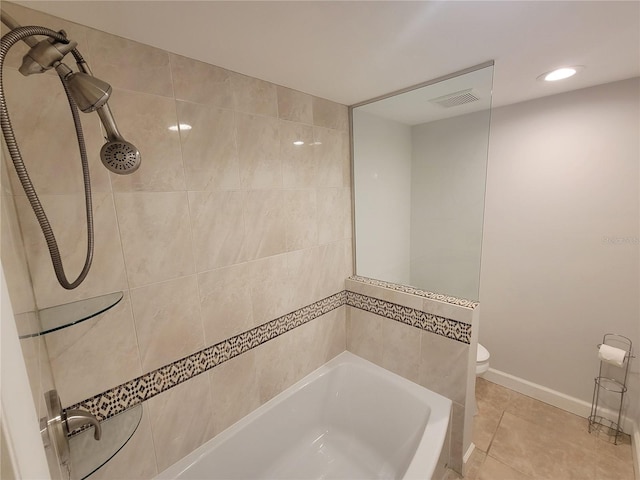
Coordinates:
<point>223,227</point>
<point>436,362</point>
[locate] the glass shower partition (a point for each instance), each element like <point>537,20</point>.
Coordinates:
<point>419,169</point>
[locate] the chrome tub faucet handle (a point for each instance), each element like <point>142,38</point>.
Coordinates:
<point>79,418</point>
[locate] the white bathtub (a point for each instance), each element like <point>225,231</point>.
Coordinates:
<point>350,419</point>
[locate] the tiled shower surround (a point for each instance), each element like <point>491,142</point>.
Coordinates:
<point>231,245</point>
<point>376,329</point>
<point>116,400</point>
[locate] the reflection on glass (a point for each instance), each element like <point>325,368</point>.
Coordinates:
<point>420,161</point>
<point>88,454</point>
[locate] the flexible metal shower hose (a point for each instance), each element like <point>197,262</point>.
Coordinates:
<point>10,39</point>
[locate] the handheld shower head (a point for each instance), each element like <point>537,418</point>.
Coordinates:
<point>120,157</point>
<point>91,94</point>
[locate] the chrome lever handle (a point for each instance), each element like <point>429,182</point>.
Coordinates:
<point>79,418</point>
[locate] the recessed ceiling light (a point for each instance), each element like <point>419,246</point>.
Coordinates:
<point>298,142</point>
<point>560,74</point>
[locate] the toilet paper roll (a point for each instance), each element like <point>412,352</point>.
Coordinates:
<point>614,356</point>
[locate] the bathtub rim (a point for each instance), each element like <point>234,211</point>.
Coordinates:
<point>428,450</point>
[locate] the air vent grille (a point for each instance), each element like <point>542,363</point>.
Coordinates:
<point>455,99</point>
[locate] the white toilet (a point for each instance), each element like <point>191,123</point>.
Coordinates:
<point>482,365</point>
<point>482,360</point>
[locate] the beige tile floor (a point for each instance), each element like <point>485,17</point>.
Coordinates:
<point>519,438</point>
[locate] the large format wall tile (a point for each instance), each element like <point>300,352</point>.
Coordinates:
<point>334,266</point>
<point>130,65</point>
<point>301,219</point>
<point>329,156</point>
<point>319,341</point>
<point>271,288</point>
<point>275,370</point>
<point>225,302</point>
<point>401,349</point>
<point>234,390</point>
<point>265,223</point>
<point>144,121</point>
<point>200,82</point>
<point>333,226</point>
<point>304,285</point>
<point>156,236</point>
<point>252,95</point>
<point>167,318</point>
<point>448,377</point>
<point>209,147</point>
<point>258,151</point>
<point>299,168</point>
<point>313,344</point>
<point>364,334</point>
<point>218,228</point>
<point>330,114</point>
<point>294,105</point>
<point>181,420</point>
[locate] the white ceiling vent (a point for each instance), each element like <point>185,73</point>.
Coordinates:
<point>455,99</point>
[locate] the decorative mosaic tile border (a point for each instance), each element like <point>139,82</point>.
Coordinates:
<point>462,302</point>
<point>446,327</point>
<point>129,394</point>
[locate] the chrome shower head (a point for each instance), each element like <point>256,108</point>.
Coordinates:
<point>89,93</point>
<point>120,157</point>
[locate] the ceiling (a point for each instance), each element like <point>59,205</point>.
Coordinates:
<point>350,52</point>
<point>468,92</point>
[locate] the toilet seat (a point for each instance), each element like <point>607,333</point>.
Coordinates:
<point>482,360</point>
<point>483,354</point>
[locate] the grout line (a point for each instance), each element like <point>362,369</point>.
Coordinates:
<point>493,437</point>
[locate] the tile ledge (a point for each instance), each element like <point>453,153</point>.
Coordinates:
<point>459,302</point>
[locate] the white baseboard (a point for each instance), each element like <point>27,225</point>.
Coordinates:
<point>565,402</point>
<point>539,392</point>
<point>635,443</point>
<point>466,457</point>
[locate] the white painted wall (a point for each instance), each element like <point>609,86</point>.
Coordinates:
<point>447,201</point>
<point>382,152</point>
<point>561,251</point>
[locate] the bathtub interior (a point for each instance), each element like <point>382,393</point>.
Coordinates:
<point>345,420</point>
